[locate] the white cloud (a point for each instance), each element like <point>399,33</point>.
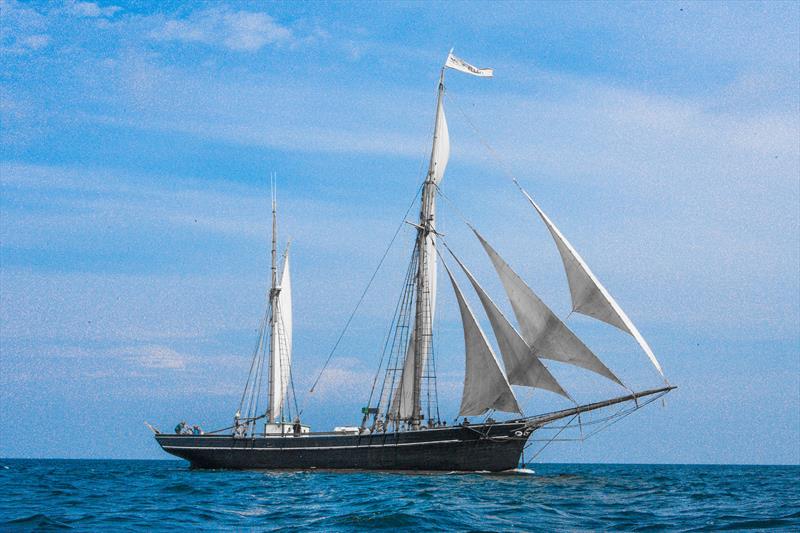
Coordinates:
<point>157,357</point>
<point>35,42</point>
<point>345,379</point>
<point>220,26</point>
<point>24,28</point>
<point>91,9</point>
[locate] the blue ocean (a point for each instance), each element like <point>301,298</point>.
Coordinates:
<point>163,495</point>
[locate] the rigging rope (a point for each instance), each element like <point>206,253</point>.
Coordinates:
<point>483,141</point>
<point>400,340</point>
<point>551,440</point>
<point>253,362</point>
<point>364,293</point>
<point>610,420</point>
<point>398,312</point>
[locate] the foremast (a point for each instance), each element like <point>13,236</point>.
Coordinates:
<point>274,292</point>
<point>273,351</point>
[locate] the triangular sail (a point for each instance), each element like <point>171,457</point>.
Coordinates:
<point>485,385</point>
<point>540,327</point>
<point>522,366</point>
<point>589,296</point>
<point>281,341</point>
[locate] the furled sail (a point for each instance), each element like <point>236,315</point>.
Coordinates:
<point>589,296</point>
<point>485,385</point>
<point>281,340</point>
<point>540,327</point>
<point>522,366</point>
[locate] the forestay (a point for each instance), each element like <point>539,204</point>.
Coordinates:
<point>522,365</point>
<point>485,385</point>
<point>589,296</point>
<point>549,337</point>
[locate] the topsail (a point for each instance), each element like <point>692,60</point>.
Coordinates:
<point>589,297</point>
<point>440,154</point>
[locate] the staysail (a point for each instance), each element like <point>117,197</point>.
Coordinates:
<point>485,385</point>
<point>540,327</point>
<point>522,365</point>
<point>281,339</point>
<point>589,296</point>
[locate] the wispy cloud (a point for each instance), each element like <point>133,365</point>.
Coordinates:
<point>90,9</point>
<point>24,29</point>
<point>221,26</point>
<point>158,357</point>
<point>34,42</point>
<point>89,224</point>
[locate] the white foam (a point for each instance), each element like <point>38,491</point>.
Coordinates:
<point>525,471</point>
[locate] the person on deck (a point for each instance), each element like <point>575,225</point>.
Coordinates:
<point>180,428</point>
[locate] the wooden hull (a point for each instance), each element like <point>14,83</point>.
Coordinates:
<point>491,448</point>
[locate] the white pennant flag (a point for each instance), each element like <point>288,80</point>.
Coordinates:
<point>459,64</point>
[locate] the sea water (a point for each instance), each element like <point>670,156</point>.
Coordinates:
<point>163,495</point>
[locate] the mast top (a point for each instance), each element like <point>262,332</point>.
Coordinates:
<point>273,180</point>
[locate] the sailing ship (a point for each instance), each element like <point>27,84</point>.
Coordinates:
<point>401,427</point>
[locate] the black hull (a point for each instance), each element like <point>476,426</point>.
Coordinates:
<point>491,448</point>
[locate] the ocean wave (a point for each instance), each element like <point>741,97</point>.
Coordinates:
<point>163,495</point>
<point>36,521</point>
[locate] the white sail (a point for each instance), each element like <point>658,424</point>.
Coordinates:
<point>281,341</point>
<point>589,296</point>
<point>540,327</point>
<point>440,154</point>
<point>522,365</point>
<point>485,385</point>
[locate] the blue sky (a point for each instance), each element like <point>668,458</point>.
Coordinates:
<point>137,141</point>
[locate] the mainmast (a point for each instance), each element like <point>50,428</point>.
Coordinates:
<point>426,270</point>
<point>405,403</point>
